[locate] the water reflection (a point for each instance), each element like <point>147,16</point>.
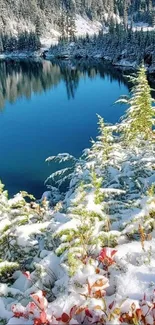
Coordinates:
<point>22,78</point>
<point>19,79</point>
<point>45,122</point>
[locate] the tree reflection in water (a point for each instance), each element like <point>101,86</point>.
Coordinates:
<point>22,78</point>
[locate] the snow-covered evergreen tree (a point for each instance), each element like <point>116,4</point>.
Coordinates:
<point>140,116</point>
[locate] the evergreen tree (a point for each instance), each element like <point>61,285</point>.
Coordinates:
<point>104,141</point>
<point>140,116</point>
<point>33,43</point>
<point>111,6</point>
<point>111,26</point>
<point>22,41</point>
<point>149,6</point>
<point>28,41</point>
<point>38,27</point>
<point>62,23</point>
<point>12,44</point>
<point>70,20</point>
<point>125,15</point>
<point>72,28</point>
<point>153,18</point>
<point>5,40</point>
<point>1,44</point>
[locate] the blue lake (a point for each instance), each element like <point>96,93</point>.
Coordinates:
<point>47,108</point>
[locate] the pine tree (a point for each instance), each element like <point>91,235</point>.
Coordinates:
<point>72,28</point>
<point>33,43</point>
<point>111,6</point>
<point>140,116</point>
<point>131,14</point>
<point>125,15</point>
<point>38,27</point>
<point>13,44</point>
<point>153,18</point>
<point>104,141</point>
<point>1,44</point>
<point>149,6</point>
<point>22,41</point>
<point>62,22</point>
<point>70,20</point>
<point>111,26</point>
<point>6,42</point>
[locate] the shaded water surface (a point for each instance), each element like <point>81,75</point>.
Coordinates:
<point>47,108</point>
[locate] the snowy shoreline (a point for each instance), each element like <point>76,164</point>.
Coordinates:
<point>20,55</point>
<point>123,64</point>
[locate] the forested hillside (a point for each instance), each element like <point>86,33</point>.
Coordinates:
<point>50,16</point>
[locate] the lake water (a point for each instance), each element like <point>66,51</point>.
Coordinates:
<point>47,108</point>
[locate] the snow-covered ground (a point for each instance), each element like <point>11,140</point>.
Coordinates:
<point>86,26</point>
<point>88,258</point>
<point>83,26</point>
<point>141,25</point>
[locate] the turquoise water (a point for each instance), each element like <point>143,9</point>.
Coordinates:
<point>47,108</point>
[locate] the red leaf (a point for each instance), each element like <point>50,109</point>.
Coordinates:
<point>111,305</point>
<point>88,313</point>
<point>43,316</point>
<point>65,318</point>
<point>72,311</point>
<point>99,283</point>
<point>98,294</point>
<point>39,299</point>
<point>89,288</point>
<point>80,310</point>
<point>37,321</point>
<point>27,274</point>
<point>139,313</point>
<point>18,314</point>
<point>114,251</point>
<point>107,253</point>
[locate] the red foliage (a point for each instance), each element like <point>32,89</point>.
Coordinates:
<point>42,319</point>
<point>144,315</point>
<point>106,256</point>
<point>88,313</point>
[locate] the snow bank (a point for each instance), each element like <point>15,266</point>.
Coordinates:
<point>86,26</point>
